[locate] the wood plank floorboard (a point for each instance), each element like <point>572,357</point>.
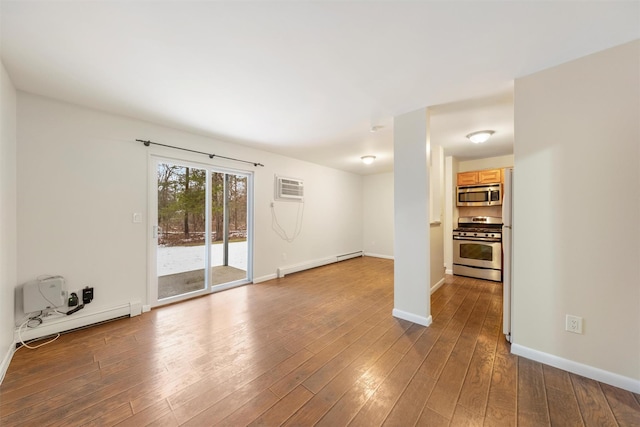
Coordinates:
<point>318,347</point>
<point>592,402</point>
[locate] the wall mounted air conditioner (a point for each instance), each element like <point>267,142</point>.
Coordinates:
<point>40,295</point>
<point>289,189</point>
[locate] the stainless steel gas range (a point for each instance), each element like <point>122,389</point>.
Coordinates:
<point>477,247</point>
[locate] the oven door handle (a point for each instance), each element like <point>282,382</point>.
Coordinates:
<point>487,240</point>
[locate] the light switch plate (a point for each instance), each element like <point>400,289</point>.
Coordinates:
<point>137,217</point>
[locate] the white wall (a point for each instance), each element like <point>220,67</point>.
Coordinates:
<point>499,162</point>
<point>436,183</point>
<point>450,210</point>
<point>8,237</point>
<point>81,176</point>
<point>436,255</point>
<point>436,215</point>
<point>377,214</point>
<point>577,204</point>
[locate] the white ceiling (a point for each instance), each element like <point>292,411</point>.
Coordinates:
<point>305,79</point>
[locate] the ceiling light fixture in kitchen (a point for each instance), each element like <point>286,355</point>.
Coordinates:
<point>375,129</point>
<point>480,136</point>
<point>367,160</point>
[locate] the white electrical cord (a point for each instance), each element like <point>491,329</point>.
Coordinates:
<point>281,232</point>
<point>26,323</point>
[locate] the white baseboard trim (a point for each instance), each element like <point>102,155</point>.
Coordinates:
<point>371,254</point>
<point>413,318</point>
<point>437,285</point>
<point>597,374</point>
<point>449,272</point>
<point>66,323</point>
<point>265,278</point>
<point>283,271</point>
<point>6,360</point>
<point>344,257</point>
<point>306,265</point>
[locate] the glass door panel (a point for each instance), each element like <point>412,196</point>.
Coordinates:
<point>181,232</point>
<point>229,249</point>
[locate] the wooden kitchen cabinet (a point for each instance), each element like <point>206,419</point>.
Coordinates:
<point>468,178</point>
<point>488,176</point>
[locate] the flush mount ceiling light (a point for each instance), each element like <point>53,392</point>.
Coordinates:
<point>480,136</point>
<point>375,129</point>
<point>367,160</point>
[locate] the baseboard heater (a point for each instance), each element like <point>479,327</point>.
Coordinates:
<point>345,257</point>
<point>283,271</point>
<point>69,323</point>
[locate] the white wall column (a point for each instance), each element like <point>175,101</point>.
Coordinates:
<point>412,300</point>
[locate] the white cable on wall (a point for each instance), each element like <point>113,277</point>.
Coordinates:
<point>281,232</point>
<point>26,323</point>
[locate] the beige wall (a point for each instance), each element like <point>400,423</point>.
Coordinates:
<point>576,209</point>
<point>377,215</point>
<point>8,237</point>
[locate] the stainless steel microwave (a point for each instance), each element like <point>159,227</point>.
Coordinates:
<point>479,195</point>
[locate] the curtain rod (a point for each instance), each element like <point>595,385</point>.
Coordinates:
<point>211,156</point>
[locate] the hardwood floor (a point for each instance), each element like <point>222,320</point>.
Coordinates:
<point>315,348</point>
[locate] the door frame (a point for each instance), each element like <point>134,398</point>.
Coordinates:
<point>154,158</point>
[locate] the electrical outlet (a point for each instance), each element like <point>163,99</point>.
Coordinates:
<point>573,324</point>
<point>87,295</point>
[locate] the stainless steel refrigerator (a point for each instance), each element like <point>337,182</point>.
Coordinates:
<point>507,252</point>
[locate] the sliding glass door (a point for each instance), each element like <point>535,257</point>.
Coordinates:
<point>181,230</point>
<point>200,230</point>
<point>228,227</point>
